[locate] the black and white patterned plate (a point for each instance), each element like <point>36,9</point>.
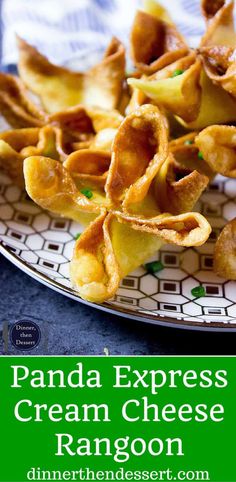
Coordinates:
<point>41,245</point>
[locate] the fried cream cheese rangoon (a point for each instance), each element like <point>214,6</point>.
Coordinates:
<point>16,106</point>
<point>117,240</point>
<point>188,90</point>
<point>52,187</point>
<point>178,188</point>
<point>116,243</point>
<point>188,156</point>
<point>189,95</point>
<point>18,144</point>
<point>225,252</point>
<point>179,94</point>
<point>139,149</point>
<point>218,147</point>
<point>59,87</point>
<point>218,48</point>
<point>155,40</point>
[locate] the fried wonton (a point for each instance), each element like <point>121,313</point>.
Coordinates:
<point>16,106</point>
<point>177,188</point>
<point>115,244</point>
<point>176,87</point>
<point>18,144</point>
<point>220,29</point>
<point>218,47</point>
<point>155,42</point>
<point>52,187</point>
<point>225,252</point>
<point>218,147</point>
<point>184,89</point>
<point>59,87</point>
<point>103,150</point>
<point>139,148</point>
<point>220,65</point>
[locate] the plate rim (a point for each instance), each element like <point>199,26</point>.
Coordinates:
<point>118,311</point>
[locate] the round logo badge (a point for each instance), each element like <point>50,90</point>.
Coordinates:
<point>25,335</point>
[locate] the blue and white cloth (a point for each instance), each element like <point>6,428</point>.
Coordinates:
<point>62,29</point>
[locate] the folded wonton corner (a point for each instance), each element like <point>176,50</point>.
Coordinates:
<point>116,243</point>
<point>177,188</point>
<point>225,252</point>
<point>155,42</point>
<point>139,148</point>
<point>175,87</point>
<point>218,146</point>
<point>59,87</point>
<point>16,145</point>
<point>15,105</point>
<point>52,187</point>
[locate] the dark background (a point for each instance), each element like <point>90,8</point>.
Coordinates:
<point>70,328</point>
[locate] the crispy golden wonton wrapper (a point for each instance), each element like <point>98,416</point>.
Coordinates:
<point>179,94</point>
<point>140,147</point>
<point>177,188</point>
<point>225,252</point>
<point>220,29</point>
<point>190,95</point>
<point>115,244</point>
<point>86,120</point>
<point>218,47</point>
<point>186,154</point>
<point>15,106</point>
<point>89,166</point>
<point>18,144</point>
<point>155,43</point>
<point>217,105</point>
<point>220,65</point>
<point>59,88</point>
<point>52,187</point>
<point>211,7</point>
<point>218,147</point>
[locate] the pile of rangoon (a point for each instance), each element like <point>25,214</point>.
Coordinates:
<point>128,156</point>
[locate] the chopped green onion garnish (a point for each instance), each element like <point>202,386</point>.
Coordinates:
<point>198,291</point>
<point>154,267</point>
<point>177,72</point>
<point>77,236</point>
<point>188,142</point>
<point>200,156</point>
<point>86,192</point>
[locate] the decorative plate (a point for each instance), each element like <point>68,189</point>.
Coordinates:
<point>41,245</point>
